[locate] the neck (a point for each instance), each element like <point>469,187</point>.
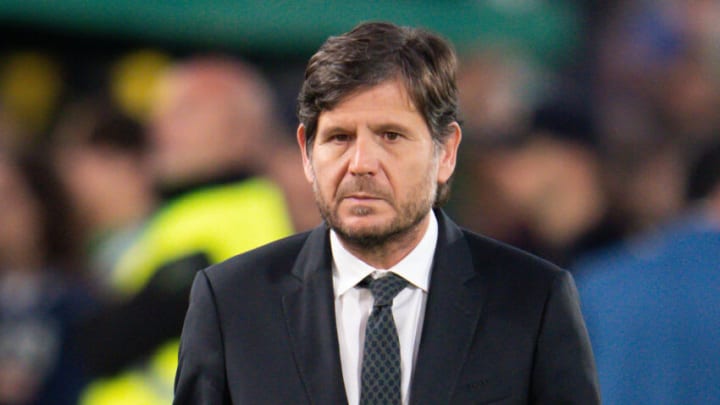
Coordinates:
<point>390,252</point>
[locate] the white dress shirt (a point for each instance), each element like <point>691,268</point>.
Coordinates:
<point>354,305</point>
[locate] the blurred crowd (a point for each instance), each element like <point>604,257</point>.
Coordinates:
<point>111,198</point>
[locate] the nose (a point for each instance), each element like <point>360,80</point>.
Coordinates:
<point>364,158</point>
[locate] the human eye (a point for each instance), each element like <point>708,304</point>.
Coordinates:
<point>341,138</point>
<point>334,137</point>
<point>391,135</point>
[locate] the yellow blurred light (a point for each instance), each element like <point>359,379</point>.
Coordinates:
<point>133,79</point>
<point>30,86</point>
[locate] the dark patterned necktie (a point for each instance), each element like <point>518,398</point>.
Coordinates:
<point>380,375</point>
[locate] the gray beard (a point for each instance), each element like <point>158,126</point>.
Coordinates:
<point>375,239</point>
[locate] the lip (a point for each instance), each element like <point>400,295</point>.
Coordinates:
<point>361,197</point>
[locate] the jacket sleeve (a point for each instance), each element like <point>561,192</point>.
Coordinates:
<point>564,368</point>
<point>200,377</point>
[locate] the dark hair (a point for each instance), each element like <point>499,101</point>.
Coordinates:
<point>372,53</point>
<point>96,122</point>
<point>116,130</point>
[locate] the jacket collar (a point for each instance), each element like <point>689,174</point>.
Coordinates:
<point>310,315</point>
<point>451,317</point>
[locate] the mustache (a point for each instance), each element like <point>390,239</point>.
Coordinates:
<point>364,185</point>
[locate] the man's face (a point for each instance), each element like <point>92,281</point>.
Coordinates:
<point>374,167</point>
<point>192,128</point>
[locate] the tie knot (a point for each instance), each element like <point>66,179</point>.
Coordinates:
<point>384,289</point>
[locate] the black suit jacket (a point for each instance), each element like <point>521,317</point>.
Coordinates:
<point>501,326</point>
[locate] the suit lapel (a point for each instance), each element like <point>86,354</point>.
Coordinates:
<point>310,314</point>
<point>451,316</point>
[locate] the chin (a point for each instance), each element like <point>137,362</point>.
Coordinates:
<point>364,222</point>
<point>366,237</point>
<point>373,226</point>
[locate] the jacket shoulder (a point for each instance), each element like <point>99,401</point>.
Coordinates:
<point>509,261</point>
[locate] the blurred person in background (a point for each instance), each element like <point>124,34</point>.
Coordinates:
<point>284,168</point>
<point>40,292</point>
<point>531,174</point>
<point>652,303</point>
<point>211,131</point>
<point>552,179</point>
<point>657,93</point>
<point>101,157</point>
<point>495,103</point>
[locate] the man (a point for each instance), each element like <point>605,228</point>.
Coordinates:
<point>652,304</point>
<point>307,319</point>
<point>99,148</point>
<point>205,127</point>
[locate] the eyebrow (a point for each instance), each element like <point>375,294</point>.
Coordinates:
<point>335,129</point>
<point>376,128</point>
<point>389,126</point>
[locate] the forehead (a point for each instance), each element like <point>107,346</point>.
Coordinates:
<point>388,101</point>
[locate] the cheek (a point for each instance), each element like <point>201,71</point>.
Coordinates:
<point>328,165</point>
<point>328,172</point>
<point>415,173</point>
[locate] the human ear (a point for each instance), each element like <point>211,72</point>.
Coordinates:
<point>307,164</point>
<point>448,153</point>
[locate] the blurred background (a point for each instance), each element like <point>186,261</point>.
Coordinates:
<point>143,140</point>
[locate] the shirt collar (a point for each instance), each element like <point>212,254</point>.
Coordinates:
<point>348,270</point>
